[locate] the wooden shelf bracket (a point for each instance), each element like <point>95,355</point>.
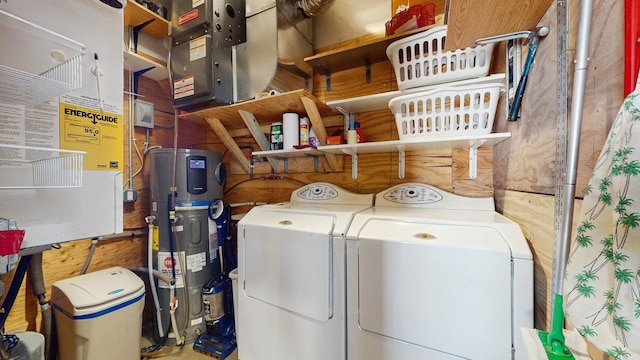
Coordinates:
<point>255,130</point>
<point>318,126</point>
<point>228,141</point>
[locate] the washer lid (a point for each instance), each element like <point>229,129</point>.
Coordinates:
<point>506,231</point>
<point>270,215</point>
<point>287,261</point>
<point>440,287</point>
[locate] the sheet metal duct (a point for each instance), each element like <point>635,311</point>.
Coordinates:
<point>279,37</point>
<point>314,7</point>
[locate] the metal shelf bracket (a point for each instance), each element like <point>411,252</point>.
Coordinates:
<point>401,161</point>
<point>473,158</point>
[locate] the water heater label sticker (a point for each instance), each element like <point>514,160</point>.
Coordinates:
<point>197,48</point>
<point>196,321</point>
<point>196,262</point>
<point>183,87</point>
<point>166,266</point>
<point>97,132</point>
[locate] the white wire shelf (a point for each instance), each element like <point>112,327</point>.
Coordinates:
<point>36,64</point>
<point>28,167</point>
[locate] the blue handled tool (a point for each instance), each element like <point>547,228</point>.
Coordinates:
<point>534,38</point>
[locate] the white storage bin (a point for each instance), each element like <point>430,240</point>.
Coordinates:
<point>99,315</point>
<point>446,111</point>
<point>419,60</point>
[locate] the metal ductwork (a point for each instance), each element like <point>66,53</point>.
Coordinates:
<point>314,7</point>
<point>276,38</point>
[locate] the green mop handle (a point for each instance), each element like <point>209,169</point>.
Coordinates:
<point>556,337</point>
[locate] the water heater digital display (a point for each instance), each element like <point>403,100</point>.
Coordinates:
<point>196,174</point>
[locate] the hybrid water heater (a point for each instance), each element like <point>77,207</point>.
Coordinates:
<point>187,246</point>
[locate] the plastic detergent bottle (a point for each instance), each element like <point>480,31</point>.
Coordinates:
<point>313,139</point>
<point>304,131</point>
<point>356,127</point>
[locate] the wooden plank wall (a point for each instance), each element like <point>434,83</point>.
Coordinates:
<point>519,173</point>
<point>524,166</point>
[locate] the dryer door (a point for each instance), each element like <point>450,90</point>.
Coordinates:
<point>288,262</point>
<point>444,288</point>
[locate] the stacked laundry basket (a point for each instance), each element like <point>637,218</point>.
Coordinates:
<point>456,96</point>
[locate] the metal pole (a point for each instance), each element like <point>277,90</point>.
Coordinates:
<point>579,78</point>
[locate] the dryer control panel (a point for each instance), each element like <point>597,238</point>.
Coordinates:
<point>412,194</point>
<point>317,192</point>
<point>429,197</point>
<point>327,193</point>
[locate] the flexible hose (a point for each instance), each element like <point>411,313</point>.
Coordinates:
<point>92,249</point>
<point>172,292</point>
<point>152,283</point>
<point>37,283</point>
<point>185,290</point>
<point>173,249</point>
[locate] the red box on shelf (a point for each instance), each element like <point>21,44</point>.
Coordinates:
<point>416,16</point>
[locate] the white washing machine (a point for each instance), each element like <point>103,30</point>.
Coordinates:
<point>433,275</point>
<point>291,275</point>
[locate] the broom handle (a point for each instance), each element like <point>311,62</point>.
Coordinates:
<point>579,78</point>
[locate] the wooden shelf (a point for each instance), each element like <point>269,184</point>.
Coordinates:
<point>469,21</point>
<point>472,142</point>
<point>287,154</point>
<point>136,14</point>
<point>136,62</point>
<point>251,114</point>
<point>417,143</point>
<point>267,109</point>
<point>360,54</point>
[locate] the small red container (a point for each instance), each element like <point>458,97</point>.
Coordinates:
<point>414,17</point>
<point>10,241</point>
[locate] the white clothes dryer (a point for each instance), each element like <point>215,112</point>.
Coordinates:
<point>291,275</point>
<point>433,275</point>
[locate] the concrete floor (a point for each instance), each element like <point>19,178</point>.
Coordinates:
<point>185,352</point>
<point>177,352</point>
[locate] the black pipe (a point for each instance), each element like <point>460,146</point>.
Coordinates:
<point>18,276</point>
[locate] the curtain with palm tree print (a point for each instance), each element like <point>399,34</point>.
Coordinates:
<point>602,286</point>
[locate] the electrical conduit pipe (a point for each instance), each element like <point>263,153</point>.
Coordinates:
<point>150,220</point>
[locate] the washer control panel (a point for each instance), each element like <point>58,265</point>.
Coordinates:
<point>412,194</point>
<point>317,192</point>
<point>327,193</point>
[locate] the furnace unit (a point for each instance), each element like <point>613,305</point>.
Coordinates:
<point>201,57</point>
<point>227,52</point>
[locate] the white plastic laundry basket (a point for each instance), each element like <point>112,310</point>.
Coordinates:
<point>446,111</point>
<point>419,60</point>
